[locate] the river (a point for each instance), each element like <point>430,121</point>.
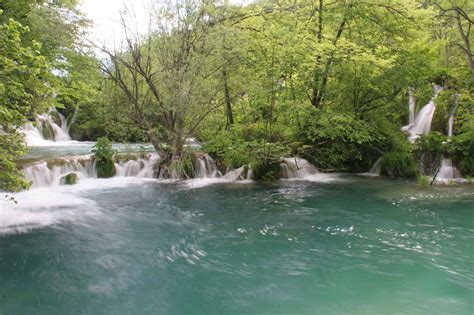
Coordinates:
<point>335,244</point>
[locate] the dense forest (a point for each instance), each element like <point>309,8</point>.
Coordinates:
<point>329,81</point>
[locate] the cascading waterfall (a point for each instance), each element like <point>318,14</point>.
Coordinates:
<point>142,167</point>
<point>422,122</point>
<point>47,130</point>
<point>50,172</point>
<point>411,107</point>
<point>375,170</point>
<point>297,168</point>
<point>447,170</point>
<point>206,167</point>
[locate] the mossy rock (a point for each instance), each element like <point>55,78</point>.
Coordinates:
<point>105,169</point>
<point>69,179</point>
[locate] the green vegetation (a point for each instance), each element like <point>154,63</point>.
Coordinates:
<point>423,180</point>
<point>398,164</point>
<point>69,179</point>
<point>103,154</point>
<point>324,80</point>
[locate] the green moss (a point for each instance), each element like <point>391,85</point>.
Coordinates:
<point>69,179</point>
<point>105,169</point>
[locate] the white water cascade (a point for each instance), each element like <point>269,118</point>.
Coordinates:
<point>375,170</point>
<point>411,107</point>
<point>422,121</point>
<point>49,173</point>
<point>297,168</point>
<point>447,170</point>
<point>206,167</point>
<point>143,167</point>
<point>50,128</point>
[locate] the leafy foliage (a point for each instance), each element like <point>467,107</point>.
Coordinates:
<point>398,164</point>
<point>104,154</point>
<point>23,93</point>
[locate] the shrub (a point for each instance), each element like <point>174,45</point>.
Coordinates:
<point>423,180</point>
<point>229,147</point>
<point>104,154</point>
<point>429,149</point>
<point>338,141</point>
<point>69,179</point>
<point>461,149</point>
<point>398,164</point>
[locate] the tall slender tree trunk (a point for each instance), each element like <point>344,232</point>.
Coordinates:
<point>228,98</point>
<point>467,43</point>
<point>321,80</point>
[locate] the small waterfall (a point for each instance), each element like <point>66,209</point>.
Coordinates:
<point>297,168</point>
<point>411,107</point>
<point>447,171</point>
<point>47,130</point>
<point>49,173</point>
<point>239,174</point>
<point>422,122</point>
<point>206,167</point>
<point>141,167</point>
<point>375,170</point>
<point>451,116</point>
<point>250,175</point>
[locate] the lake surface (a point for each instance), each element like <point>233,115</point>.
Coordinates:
<point>349,245</point>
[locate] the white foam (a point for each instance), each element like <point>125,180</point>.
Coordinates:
<point>319,178</point>
<point>46,206</point>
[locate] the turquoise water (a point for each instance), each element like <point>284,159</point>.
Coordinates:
<point>352,246</point>
<point>75,148</point>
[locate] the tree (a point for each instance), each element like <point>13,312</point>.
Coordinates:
<point>24,93</point>
<point>166,82</point>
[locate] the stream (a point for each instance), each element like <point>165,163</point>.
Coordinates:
<point>320,244</point>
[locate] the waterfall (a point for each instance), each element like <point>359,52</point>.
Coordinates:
<point>447,171</point>
<point>47,129</point>
<point>411,107</point>
<point>206,167</point>
<point>141,167</point>
<point>375,170</point>
<point>451,116</point>
<point>422,122</point>
<point>297,168</point>
<point>50,172</point>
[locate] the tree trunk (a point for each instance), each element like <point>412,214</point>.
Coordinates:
<point>320,82</point>
<point>228,99</point>
<point>467,43</point>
